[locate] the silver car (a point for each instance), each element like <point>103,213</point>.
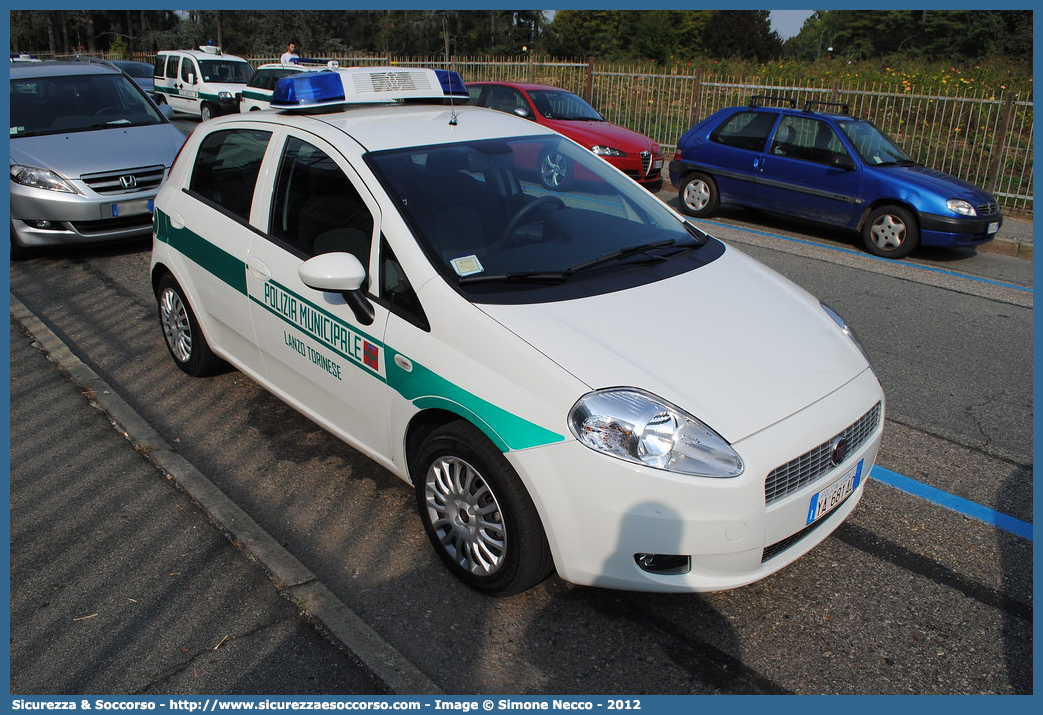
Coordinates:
<point>88,153</point>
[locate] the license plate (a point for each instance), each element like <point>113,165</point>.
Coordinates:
<point>657,164</point>
<point>830,498</point>
<point>993,227</point>
<point>131,208</point>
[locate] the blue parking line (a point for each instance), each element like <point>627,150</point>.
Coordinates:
<point>917,266</point>
<point>951,501</point>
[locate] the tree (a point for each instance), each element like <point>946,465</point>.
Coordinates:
<point>954,35</point>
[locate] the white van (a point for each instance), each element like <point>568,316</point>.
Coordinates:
<point>204,82</point>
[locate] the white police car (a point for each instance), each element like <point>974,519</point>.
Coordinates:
<point>257,93</point>
<point>580,381</point>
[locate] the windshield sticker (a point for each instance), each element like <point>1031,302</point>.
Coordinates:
<point>467,266</point>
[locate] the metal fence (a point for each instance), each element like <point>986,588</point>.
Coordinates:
<point>984,140</point>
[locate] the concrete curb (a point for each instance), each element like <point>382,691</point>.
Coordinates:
<point>293,579</point>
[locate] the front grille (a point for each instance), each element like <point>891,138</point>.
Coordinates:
<point>795,474</point>
<point>990,209</point>
<point>127,181</point>
<point>646,162</point>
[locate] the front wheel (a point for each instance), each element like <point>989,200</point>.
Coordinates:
<point>477,514</point>
<point>206,113</point>
<point>698,195</point>
<point>555,170</point>
<point>181,331</point>
<point>890,232</point>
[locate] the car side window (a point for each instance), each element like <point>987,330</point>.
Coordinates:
<point>396,290</point>
<point>745,130</point>
<point>505,99</point>
<point>315,207</point>
<point>159,66</point>
<point>807,139</point>
<point>226,169</point>
<point>172,66</point>
<point>188,71</point>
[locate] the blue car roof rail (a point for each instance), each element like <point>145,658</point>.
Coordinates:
<point>758,100</point>
<point>844,108</point>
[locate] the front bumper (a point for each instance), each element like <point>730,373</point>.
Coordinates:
<point>600,512</point>
<point>950,231</point>
<point>77,218</point>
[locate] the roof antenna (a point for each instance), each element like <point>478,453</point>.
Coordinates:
<point>445,35</point>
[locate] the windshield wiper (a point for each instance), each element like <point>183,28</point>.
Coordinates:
<point>562,276</point>
<point>519,277</point>
<point>624,253</point>
<point>900,162</point>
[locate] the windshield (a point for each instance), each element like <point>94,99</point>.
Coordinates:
<point>52,105</point>
<point>873,146</point>
<point>558,104</point>
<point>228,71</point>
<point>493,230</point>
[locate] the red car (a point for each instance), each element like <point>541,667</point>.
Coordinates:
<point>636,155</point>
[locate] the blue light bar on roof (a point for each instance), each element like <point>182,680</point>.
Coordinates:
<point>366,85</point>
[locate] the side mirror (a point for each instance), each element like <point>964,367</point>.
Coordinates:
<point>339,273</point>
<point>191,78</point>
<point>523,112</point>
<point>843,161</point>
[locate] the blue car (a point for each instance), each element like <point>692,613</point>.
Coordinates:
<point>828,167</point>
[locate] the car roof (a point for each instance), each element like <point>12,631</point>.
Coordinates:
<point>51,68</point>
<point>200,55</point>
<point>527,86</point>
<point>394,126</point>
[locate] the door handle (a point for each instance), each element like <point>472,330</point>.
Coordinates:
<point>259,270</point>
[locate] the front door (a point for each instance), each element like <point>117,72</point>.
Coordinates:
<point>807,172</point>
<point>318,355</point>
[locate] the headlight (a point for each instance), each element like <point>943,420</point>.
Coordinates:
<point>637,427</point>
<point>224,95</point>
<point>607,151</point>
<point>961,207</point>
<point>39,179</point>
<point>848,331</point>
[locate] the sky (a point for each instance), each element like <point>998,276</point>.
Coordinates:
<point>788,22</point>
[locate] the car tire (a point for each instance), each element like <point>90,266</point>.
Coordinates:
<point>181,332</point>
<point>206,113</point>
<point>890,232</point>
<point>698,195</point>
<point>459,476</point>
<point>160,100</point>
<point>555,171</point>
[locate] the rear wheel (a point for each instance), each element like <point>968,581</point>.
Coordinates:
<point>698,195</point>
<point>477,513</point>
<point>891,232</point>
<point>181,331</point>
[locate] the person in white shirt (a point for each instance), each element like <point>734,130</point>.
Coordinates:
<point>290,54</point>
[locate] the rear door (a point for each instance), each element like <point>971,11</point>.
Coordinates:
<point>208,225</point>
<point>732,154</point>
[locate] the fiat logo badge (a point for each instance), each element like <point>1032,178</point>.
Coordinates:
<point>838,452</point>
